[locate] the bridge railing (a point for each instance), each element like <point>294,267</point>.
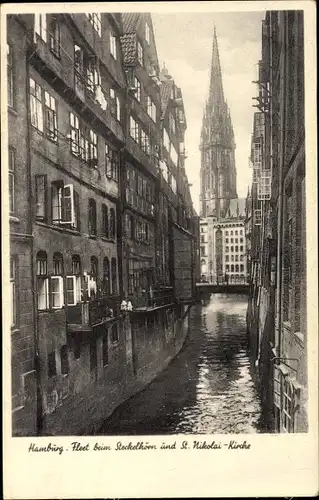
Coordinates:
<point>230,280</point>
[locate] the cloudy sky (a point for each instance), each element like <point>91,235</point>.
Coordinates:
<point>184,43</point>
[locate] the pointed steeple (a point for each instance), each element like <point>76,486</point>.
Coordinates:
<point>216,93</point>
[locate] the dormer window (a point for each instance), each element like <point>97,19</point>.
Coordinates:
<point>113,45</point>
<point>147,33</point>
<point>140,54</point>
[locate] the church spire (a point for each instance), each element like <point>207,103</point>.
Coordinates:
<point>216,93</point>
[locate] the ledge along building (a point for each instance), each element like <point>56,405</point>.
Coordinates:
<point>103,233</point>
<point>276,222</point>
<point>222,235</point>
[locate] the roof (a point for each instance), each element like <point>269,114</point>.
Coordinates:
<point>130,21</point>
<point>236,208</point>
<point>165,92</point>
<point>128,42</point>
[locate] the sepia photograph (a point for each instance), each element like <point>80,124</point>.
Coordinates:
<point>156,201</point>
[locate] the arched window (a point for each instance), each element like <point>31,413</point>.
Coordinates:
<point>73,282</point>
<point>232,268</point>
<point>112,224</point>
<point>114,276</point>
<point>93,278</point>
<point>42,280</point>
<point>106,276</point>
<point>58,264</point>
<point>57,281</point>
<point>105,221</point>
<point>237,268</point>
<point>92,217</point>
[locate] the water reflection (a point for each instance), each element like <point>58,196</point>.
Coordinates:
<point>207,389</point>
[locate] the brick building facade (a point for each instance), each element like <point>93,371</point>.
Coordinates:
<point>85,192</point>
<point>277,310</point>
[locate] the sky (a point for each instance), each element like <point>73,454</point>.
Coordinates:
<point>184,44</point>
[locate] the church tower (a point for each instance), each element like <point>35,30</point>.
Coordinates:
<point>217,146</point>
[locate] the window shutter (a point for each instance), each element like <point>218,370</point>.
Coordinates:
<point>68,212</point>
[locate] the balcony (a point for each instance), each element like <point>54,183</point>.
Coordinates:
<point>150,301</point>
<point>84,316</point>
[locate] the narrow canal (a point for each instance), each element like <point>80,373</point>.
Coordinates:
<point>208,388</point>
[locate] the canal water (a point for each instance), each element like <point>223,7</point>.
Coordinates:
<point>208,388</point>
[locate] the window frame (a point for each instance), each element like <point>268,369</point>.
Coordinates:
<point>11,175</point>
<point>10,76</point>
<point>140,53</point>
<point>42,277</point>
<point>113,44</point>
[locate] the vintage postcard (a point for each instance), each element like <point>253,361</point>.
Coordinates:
<point>159,249</point>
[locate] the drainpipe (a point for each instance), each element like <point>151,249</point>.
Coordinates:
<point>39,409</point>
<point>280,194</point>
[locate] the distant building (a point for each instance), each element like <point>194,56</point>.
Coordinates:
<point>222,235</point>
<point>223,246</point>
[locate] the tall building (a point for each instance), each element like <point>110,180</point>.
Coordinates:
<point>222,238</point>
<point>277,314</point>
<point>217,145</point>
<point>95,223</point>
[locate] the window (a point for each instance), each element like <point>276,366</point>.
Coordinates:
<point>264,185</point>
<point>112,160</point>
<point>96,21</point>
<point>227,268</point>
<point>50,116</point>
<point>287,419</point>
<point>93,277</point>
<point>236,248</point>
<point>232,268</point>
<point>134,129</point>
<point>232,249</point>
<point>40,26</point>
<point>10,76</point>
<point>145,142</point>
<point>147,33</point>
<point>114,276</point>
<point>75,134</point>
<point>151,109</point>
<point>227,258</point>
<point>226,234</point>
<point>226,241</point>
<point>106,276</point>
<point>237,268</point>
<point>54,36</point>
<point>51,365</point>
<point>116,105</point>
<point>11,180</point>
<point>92,217</point>
<point>241,248</point>
<point>73,283</point>
<point>42,281</point>
<point>65,205</point>
<point>236,258</point>
<point>140,55</point>
<point>36,105</point>
<point>236,232</point>
<point>57,282</point>
<point>113,45</point>
<point>241,268</point>
<point>64,353</point>
<point>105,221</point>
<point>227,249</point>
<point>112,224</point>
<point>13,287</point>
<point>137,85</point>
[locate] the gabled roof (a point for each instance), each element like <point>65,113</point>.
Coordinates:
<point>236,208</point>
<point>130,21</point>
<point>165,92</point>
<point>128,42</point>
